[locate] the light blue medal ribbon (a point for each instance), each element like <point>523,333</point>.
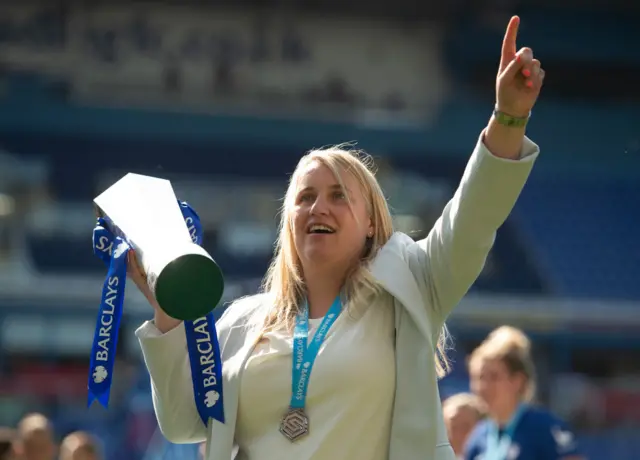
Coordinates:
<point>498,446</point>
<point>202,338</point>
<point>295,422</point>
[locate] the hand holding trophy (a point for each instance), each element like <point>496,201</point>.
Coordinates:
<point>169,267</point>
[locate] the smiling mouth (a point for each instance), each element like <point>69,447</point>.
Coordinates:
<point>319,229</point>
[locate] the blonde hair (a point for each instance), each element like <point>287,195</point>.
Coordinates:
<point>465,401</point>
<point>512,347</point>
<point>284,282</point>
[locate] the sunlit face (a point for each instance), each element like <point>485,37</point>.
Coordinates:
<point>495,385</point>
<point>459,421</point>
<point>327,229</point>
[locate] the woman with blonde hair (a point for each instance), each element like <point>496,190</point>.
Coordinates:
<point>503,376</point>
<point>339,357</point>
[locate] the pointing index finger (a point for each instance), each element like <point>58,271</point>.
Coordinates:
<point>509,42</point>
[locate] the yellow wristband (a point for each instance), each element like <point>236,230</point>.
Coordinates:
<point>510,121</point>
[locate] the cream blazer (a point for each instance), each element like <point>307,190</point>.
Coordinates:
<point>427,279</point>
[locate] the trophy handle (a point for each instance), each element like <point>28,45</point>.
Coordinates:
<point>101,214</point>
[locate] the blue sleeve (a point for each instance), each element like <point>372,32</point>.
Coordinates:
<point>471,451</point>
<point>559,440</point>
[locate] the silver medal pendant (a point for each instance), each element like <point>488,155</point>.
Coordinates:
<point>294,424</point>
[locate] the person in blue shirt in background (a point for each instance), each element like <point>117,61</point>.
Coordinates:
<point>503,376</point>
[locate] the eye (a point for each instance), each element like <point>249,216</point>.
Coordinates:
<point>339,195</point>
<point>306,197</point>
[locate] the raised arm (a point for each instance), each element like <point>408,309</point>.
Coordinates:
<point>453,254</point>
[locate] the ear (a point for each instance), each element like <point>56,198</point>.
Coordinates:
<point>370,229</point>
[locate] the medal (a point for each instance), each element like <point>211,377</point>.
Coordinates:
<point>295,423</point>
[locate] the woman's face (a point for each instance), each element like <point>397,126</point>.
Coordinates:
<point>495,385</point>
<point>327,230</point>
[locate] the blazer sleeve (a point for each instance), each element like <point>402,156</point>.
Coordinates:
<point>167,361</point>
<point>452,256</point>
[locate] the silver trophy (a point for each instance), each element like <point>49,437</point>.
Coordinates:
<point>184,278</point>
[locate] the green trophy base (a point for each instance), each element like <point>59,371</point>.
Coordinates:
<point>189,287</point>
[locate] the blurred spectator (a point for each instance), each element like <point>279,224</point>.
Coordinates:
<point>79,446</point>
<point>172,76</point>
<point>503,375</point>
<point>294,49</point>
<point>224,65</point>
<point>337,91</point>
<point>223,77</point>
<point>7,444</point>
<point>36,439</point>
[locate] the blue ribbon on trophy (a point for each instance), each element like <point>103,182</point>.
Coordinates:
<point>113,251</point>
<point>203,348</point>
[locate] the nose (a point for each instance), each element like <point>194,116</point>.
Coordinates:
<point>320,207</point>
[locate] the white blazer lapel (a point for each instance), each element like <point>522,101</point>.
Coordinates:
<point>391,270</point>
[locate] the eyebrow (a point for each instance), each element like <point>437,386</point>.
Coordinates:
<point>332,187</point>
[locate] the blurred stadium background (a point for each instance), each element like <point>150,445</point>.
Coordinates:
<point>223,96</point>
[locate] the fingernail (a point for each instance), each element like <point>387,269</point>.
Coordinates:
<point>529,84</point>
<point>526,73</point>
<point>518,58</point>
